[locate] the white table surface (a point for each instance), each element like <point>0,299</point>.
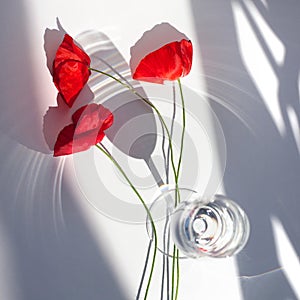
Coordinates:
<point>55,245</point>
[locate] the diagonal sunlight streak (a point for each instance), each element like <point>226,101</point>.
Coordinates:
<point>287,255</point>
<point>211,273</point>
<point>295,125</point>
<point>258,65</point>
<point>265,3</point>
<point>299,86</point>
<point>270,38</point>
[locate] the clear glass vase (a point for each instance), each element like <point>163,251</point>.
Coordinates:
<point>215,227</point>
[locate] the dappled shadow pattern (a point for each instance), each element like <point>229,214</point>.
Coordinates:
<point>262,172</point>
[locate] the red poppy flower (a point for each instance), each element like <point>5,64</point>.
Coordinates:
<point>70,70</point>
<point>87,129</point>
<point>170,62</point>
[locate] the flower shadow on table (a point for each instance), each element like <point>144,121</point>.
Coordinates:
<point>262,171</point>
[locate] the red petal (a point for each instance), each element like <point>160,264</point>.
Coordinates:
<point>89,123</point>
<point>169,62</point>
<point>107,118</point>
<point>69,51</point>
<point>69,142</point>
<point>92,117</point>
<point>100,137</point>
<point>70,78</point>
<point>86,140</point>
<point>77,114</point>
<point>64,142</point>
<point>186,48</point>
<point>70,70</point>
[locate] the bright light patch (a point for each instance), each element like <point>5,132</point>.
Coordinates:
<point>211,273</point>
<point>258,65</point>
<point>265,3</point>
<point>287,255</point>
<point>294,125</point>
<point>299,87</point>
<point>275,46</point>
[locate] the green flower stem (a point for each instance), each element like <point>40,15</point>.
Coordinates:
<point>175,262</point>
<point>177,272</point>
<point>103,150</point>
<point>177,196</point>
<point>173,272</point>
<point>109,75</point>
<point>183,127</point>
<point>154,108</point>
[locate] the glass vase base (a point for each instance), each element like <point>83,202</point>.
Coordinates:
<point>216,227</point>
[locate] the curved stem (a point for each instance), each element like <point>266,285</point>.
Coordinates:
<point>109,75</point>
<point>129,87</point>
<point>183,127</point>
<point>173,272</point>
<point>144,271</point>
<point>175,262</point>
<point>176,252</point>
<point>177,272</point>
<point>104,150</point>
<point>176,172</point>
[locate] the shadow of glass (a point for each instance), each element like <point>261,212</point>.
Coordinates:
<point>133,132</point>
<point>262,167</point>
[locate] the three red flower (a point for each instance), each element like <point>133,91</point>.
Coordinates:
<point>71,72</point>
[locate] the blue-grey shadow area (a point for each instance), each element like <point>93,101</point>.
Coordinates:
<point>45,258</point>
<point>53,253</point>
<point>263,167</point>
